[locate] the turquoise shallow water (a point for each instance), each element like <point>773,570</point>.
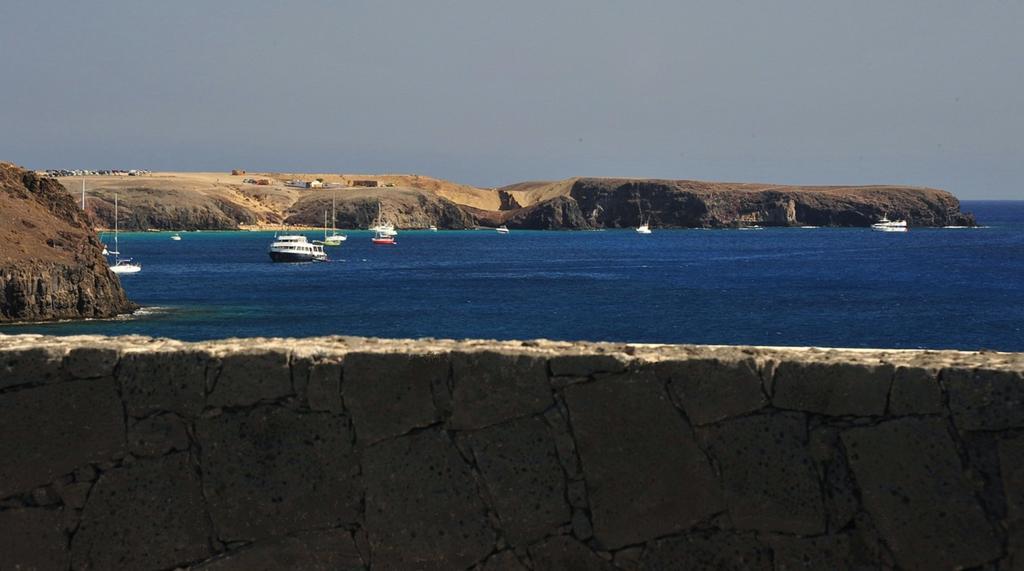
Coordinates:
<point>928,288</point>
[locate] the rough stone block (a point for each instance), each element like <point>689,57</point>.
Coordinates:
<point>74,495</point>
<point>564,552</point>
<point>247,378</point>
<point>389,394</point>
<point>585,365</point>
<point>50,430</point>
<point>841,503</point>
<point>90,362</point>
<point>802,553</point>
<point>33,539</point>
<point>503,561</point>
<point>915,391</point>
<point>523,477</point>
<point>491,387</point>
<point>834,389</point>
<point>768,475</point>
<point>423,508</point>
<point>157,435</point>
<point>323,391</point>
<point>912,483</point>
<point>710,390</point>
<point>271,471</point>
<point>324,550</point>
<point>1011,466</point>
<point>30,366</point>
<point>721,550</point>
<point>164,381</point>
<point>646,476</point>
<point>144,515</point>
<point>985,399</point>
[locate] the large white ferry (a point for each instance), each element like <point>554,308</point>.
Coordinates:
<point>296,248</point>
<point>886,225</point>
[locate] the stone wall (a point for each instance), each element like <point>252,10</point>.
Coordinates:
<point>347,453</point>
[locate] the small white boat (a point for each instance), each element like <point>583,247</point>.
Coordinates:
<point>295,248</point>
<point>432,228</point>
<point>644,228</point>
<point>126,266</point>
<point>886,225</point>
<point>501,229</point>
<point>176,237</point>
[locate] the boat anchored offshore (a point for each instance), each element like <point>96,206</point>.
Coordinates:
<point>334,239</point>
<point>886,225</point>
<point>382,239</point>
<point>296,248</point>
<point>382,227</point>
<point>176,237</point>
<point>126,266</point>
<point>501,229</point>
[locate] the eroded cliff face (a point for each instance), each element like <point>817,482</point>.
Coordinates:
<point>620,203</point>
<point>51,262</point>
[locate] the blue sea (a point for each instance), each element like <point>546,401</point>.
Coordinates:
<point>927,288</point>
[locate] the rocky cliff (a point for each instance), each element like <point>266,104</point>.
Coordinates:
<point>186,201</point>
<point>51,263</point>
<point>620,203</point>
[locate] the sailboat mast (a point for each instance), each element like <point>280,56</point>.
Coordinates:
<point>334,216</point>
<point>117,250</point>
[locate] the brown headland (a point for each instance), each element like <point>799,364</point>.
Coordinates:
<point>223,201</point>
<point>51,261</point>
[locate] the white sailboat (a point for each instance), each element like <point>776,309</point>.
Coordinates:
<point>125,266</point>
<point>334,239</point>
<point>385,229</point>
<point>644,227</point>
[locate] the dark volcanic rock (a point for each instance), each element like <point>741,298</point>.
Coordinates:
<point>324,550</point>
<point>913,484</point>
<point>712,390</point>
<point>389,394</point>
<point>51,263</point>
<point>85,423</point>
<point>524,479</point>
<point>33,539</point>
<point>272,471</point>
<point>131,523</point>
<point>782,494</point>
<point>722,550</point>
<point>645,474</point>
<point>423,509</point>
<point>833,389</point>
<point>563,552</point>
<point>985,400</point>
<point>164,381</point>
<point>490,387</point>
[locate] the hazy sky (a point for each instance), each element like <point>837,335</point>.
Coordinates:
<point>926,92</point>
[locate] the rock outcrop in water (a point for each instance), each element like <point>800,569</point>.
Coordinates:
<point>51,263</point>
<point>191,201</point>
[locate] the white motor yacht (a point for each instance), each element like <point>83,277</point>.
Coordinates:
<point>296,248</point>
<point>501,229</point>
<point>886,225</point>
<point>644,228</point>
